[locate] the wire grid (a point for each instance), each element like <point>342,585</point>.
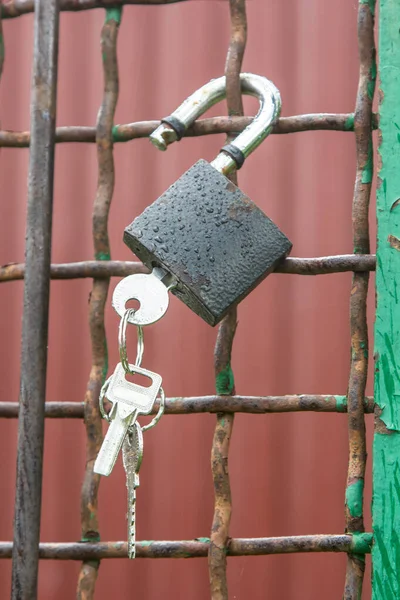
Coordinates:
<point>26,549</point>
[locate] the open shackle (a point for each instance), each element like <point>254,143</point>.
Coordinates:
<point>233,155</point>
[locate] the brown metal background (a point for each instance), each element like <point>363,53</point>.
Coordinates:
<point>287,472</point>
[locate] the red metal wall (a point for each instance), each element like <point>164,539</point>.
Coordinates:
<point>288,472</point>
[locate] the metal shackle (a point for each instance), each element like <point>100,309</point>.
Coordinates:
<point>233,155</point>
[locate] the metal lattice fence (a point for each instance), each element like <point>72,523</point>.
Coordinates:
<point>26,549</point>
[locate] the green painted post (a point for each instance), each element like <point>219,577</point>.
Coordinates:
<point>386,452</point>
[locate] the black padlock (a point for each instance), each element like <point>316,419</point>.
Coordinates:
<point>204,230</point>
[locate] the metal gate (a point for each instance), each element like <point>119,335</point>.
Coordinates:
<point>37,271</point>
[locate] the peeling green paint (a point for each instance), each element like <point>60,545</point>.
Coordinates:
<point>371,4</point>
<point>341,403</point>
<point>116,136</point>
<point>225,382</point>
<point>354,498</point>
<point>146,542</point>
<point>367,172</point>
<point>349,123</point>
<point>386,516</point>
<point>364,346</point>
<point>92,539</point>
<point>371,82</point>
<point>362,543</point>
<point>203,540</point>
<point>386,448</point>
<point>103,256</point>
<point>114,14</point>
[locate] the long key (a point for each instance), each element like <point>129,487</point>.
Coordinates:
<point>130,400</point>
<point>132,454</point>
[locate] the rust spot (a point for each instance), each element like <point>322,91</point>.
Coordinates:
<point>395,203</point>
<point>394,241</point>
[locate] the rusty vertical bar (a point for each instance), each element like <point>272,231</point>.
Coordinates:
<point>36,302</point>
<point>358,299</point>
<point>223,349</point>
<point>98,297</point>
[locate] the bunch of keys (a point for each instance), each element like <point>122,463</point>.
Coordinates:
<point>128,399</point>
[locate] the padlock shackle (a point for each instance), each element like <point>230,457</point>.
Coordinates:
<point>173,127</point>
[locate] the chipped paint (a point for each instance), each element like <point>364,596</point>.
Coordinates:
<point>103,256</point>
<point>370,3</point>
<point>349,123</point>
<point>367,171</point>
<point>386,449</point>
<point>341,403</point>
<point>354,498</point>
<point>117,136</point>
<point>114,14</point>
<point>224,382</point>
<point>362,543</point>
<point>386,516</point>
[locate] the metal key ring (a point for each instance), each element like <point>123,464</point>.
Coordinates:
<point>102,395</point>
<point>159,414</point>
<point>123,354</point>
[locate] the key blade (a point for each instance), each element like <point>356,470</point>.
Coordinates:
<point>112,444</point>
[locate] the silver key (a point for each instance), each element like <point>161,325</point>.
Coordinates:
<point>150,290</point>
<point>132,455</point>
<point>129,401</point>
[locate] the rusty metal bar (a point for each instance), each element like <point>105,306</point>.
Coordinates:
<point>358,298</point>
<point>212,404</point>
<point>198,548</point>
<point>16,8</point>
<point>105,188</point>
<point>142,129</point>
<point>224,378</point>
<point>322,265</point>
<point>36,303</point>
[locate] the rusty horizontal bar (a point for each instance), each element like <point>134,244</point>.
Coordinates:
<point>212,404</point>
<point>142,129</point>
<point>322,265</point>
<point>198,548</point>
<point>16,8</point>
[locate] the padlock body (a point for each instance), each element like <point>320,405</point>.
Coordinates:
<point>216,242</point>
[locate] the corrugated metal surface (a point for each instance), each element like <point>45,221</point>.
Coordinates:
<point>288,472</point>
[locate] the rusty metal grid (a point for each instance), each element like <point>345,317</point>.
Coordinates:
<point>26,549</point>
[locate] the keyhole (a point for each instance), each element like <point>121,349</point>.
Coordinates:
<point>133,303</point>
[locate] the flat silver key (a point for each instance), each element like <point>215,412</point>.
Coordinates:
<point>132,454</point>
<point>150,290</point>
<point>129,401</point>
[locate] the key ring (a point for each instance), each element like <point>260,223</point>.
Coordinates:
<point>159,413</point>
<point>107,417</point>
<point>102,395</point>
<point>123,354</point>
